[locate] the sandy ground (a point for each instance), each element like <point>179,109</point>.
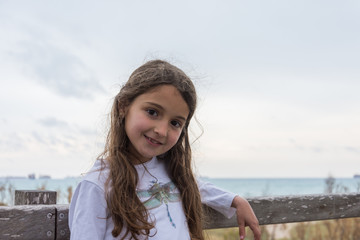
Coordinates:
<point>279,231</point>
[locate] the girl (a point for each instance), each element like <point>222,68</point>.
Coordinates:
<point>142,186</point>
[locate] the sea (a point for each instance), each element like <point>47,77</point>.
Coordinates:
<point>246,187</point>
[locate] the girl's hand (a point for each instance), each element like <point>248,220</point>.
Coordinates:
<point>246,217</point>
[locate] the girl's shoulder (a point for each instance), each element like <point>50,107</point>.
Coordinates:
<point>98,174</point>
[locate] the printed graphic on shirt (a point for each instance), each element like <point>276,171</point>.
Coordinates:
<point>159,194</point>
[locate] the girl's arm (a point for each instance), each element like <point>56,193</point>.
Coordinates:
<point>87,212</point>
<point>216,198</point>
<point>228,204</point>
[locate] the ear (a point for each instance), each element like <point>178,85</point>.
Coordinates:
<point>123,111</point>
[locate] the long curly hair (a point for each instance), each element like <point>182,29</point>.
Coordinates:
<point>125,208</point>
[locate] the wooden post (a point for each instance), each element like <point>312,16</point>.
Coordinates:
<point>30,222</point>
<point>34,197</point>
<point>62,227</point>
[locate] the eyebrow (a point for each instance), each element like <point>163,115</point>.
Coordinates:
<point>162,108</point>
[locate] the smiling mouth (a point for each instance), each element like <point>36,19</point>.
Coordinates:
<point>153,141</point>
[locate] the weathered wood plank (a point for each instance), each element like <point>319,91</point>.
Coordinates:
<point>34,197</point>
<point>27,222</point>
<point>307,208</point>
<point>287,209</point>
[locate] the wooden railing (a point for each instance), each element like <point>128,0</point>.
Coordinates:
<point>50,221</point>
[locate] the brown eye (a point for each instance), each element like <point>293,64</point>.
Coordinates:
<point>152,112</point>
<point>176,124</point>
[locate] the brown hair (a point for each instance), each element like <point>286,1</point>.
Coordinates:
<point>125,208</point>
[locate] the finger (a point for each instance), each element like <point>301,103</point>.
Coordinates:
<point>256,231</point>
<point>242,231</point>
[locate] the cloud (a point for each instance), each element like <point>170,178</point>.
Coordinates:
<point>55,142</point>
<point>271,75</point>
<point>87,131</point>
<point>57,69</point>
<point>39,138</point>
<point>62,136</point>
<point>352,149</point>
<point>52,122</point>
<point>12,142</point>
<point>71,129</point>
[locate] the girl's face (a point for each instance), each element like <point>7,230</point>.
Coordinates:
<point>154,122</point>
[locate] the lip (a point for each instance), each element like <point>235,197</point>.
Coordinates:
<point>152,141</point>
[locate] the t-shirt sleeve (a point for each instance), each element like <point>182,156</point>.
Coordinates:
<point>87,212</point>
<point>216,198</point>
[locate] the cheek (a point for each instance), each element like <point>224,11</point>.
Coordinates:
<point>174,138</point>
<point>135,124</point>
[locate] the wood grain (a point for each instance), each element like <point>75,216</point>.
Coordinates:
<point>28,222</point>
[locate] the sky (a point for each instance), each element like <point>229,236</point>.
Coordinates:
<point>278,82</point>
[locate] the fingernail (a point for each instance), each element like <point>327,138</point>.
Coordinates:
<point>241,237</point>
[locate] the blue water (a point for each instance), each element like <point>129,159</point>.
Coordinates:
<point>244,187</point>
<point>284,186</point>
<point>60,185</point>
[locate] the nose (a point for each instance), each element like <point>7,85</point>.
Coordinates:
<point>161,128</point>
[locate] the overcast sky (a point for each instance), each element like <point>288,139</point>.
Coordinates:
<point>278,81</point>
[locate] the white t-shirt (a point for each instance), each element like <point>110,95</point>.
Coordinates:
<point>88,213</point>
